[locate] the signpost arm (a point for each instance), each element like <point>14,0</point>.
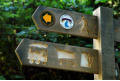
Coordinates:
<point>105,43</point>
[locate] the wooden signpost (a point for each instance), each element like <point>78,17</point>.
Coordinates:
<point>79,24</point>
<point>101,27</point>
<point>51,55</point>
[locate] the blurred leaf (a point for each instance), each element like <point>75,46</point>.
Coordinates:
<point>118,60</point>
<point>89,45</point>
<point>100,1</point>
<point>17,76</point>
<point>88,10</point>
<point>21,33</point>
<point>2,78</point>
<point>117,54</point>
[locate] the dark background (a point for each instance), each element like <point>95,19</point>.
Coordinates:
<point>16,23</point>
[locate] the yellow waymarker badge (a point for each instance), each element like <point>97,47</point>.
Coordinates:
<point>47,18</point>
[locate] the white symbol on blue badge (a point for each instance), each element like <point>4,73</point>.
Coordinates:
<point>66,21</point>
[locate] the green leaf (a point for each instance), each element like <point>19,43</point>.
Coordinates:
<point>119,46</point>
<point>88,10</point>
<point>21,33</point>
<point>100,1</point>
<point>89,45</point>
<point>118,60</point>
<point>117,54</point>
<point>17,76</point>
<point>2,78</point>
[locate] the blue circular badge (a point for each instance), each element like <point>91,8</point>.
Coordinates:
<point>66,21</point>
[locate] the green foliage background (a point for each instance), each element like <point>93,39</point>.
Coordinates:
<point>16,24</point>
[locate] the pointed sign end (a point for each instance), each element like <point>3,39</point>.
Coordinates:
<point>17,54</point>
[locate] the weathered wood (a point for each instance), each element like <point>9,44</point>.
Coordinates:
<point>117,29</point>
<point>58,56</point>
<point>84,25</point>
<point>105,44</point>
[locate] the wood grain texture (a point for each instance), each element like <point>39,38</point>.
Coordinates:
<point>117,29</point>
<point>74,57</point>
<point>105,44</point>
<point>84,25</point>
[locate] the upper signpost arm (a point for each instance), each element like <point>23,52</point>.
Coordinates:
<point>66,22</point>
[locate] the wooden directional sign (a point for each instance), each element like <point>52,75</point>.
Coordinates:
<point>64,21</point>
<point>51,55</point>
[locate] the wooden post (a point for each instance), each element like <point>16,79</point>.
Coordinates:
<point>105,44</point>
